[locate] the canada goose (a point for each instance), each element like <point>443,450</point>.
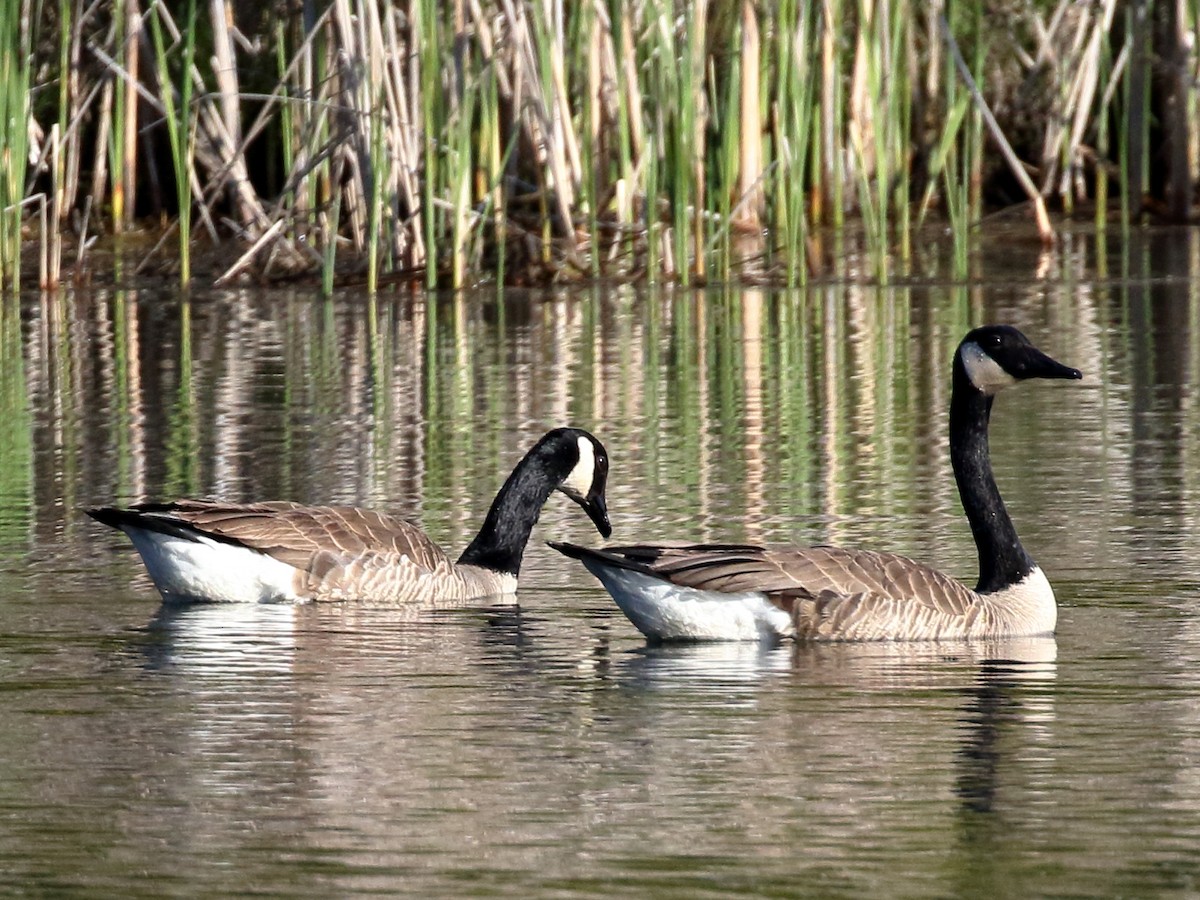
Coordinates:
<point>734,592</point>
<point>267,552</point>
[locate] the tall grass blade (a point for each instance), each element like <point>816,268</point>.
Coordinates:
<point>16,122</point>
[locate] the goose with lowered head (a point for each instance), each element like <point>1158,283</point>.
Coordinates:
<point>281,552</point>
<point>741,592</point>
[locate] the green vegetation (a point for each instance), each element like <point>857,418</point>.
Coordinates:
<point>373,141</point>
<point>177,119</point>
<point>14,118</point>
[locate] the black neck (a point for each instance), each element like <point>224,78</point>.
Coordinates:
<point>501,541</point>
<point>1002,559</point>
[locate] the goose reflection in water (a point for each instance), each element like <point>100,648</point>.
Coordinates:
<point>874,666</point>
<point>1009,694</point>
<point>250,639</point>
<point>222,638</point>
<point>1004,770</point>
<point>853,696</point>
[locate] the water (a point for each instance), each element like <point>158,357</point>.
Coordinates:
<point>543,748</point>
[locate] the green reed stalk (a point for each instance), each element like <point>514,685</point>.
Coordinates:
<point>833,99</point>
<point>776,151</point>
<point>495,158</point>
<point>690,150</point>
<point>948,167</point>
<point>958,206</point>
<point>868,132</point>
<point>728,165</point>
<point>15,60</point>
<point>943,156</point>
<point>186,143</point>
<point>372,94</point>
<point>460,169</point>
<point>179,122</point>
<point>884,86</point>
<point>650,209</point>
<point>122,150</point>
<point>106,175</point>
<point>953,159</point>
<point>794,110</point>
<point>378,189</point>
<point>427,34</point>
<point>868,211</point>
<point>319,186</point>
<point>899,118</point>
<point>331,219</point>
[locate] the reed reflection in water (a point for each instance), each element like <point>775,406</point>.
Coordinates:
<point>543,747</point>
<point>816,416</point>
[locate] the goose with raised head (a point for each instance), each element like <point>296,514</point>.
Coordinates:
<point>742,592</point>
<point>281,552</point>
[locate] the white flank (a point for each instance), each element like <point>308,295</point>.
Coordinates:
<point>985,373</point>
<point>668,612</point>
<point>204,569</point>
<point>579,482</point>
<point>1027,607</point>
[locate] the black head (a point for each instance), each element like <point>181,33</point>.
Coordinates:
<point>993,357</point>
<point>581,464</point>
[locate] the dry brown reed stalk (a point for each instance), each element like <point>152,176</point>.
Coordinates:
<point>52,269</point>
<point>1062,156</point>
<point>544,139</point>
<point>750,157</point>
<point>861,122</point>
<point>1041,216</point>
<point>71,114</point>
<point>220,123</point>
<point>633,153</point>
<point>542,118</point>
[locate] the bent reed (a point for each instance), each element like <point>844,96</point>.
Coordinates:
<point>535,140</point>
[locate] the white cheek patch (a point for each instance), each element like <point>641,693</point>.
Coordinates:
<point>983,371</point>
<point>579,482</point>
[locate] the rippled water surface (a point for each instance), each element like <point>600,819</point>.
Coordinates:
<point>536,745</point>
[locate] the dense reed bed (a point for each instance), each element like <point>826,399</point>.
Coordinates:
<point>536,140</point>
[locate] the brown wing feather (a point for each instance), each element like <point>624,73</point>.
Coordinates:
<point>828,576</point>
<point>296,534</point>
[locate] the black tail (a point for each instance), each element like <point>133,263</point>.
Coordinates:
<point>622,557</point>
<point>572,550</point>
<point>112,516</point>
<point>146,516</point>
